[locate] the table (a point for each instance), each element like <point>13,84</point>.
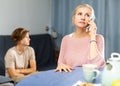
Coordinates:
<point>51,78</point>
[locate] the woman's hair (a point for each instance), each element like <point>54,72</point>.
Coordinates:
<point>18,34</point>
<point>85,5</point>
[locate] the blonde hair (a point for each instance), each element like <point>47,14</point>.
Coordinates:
<point>85,5</point>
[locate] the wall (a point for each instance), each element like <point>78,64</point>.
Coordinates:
<point>31,14</point>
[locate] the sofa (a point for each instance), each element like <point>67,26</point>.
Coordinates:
<point>43,45</point>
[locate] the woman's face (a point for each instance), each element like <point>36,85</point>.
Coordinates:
<point>82,17</point>
<point>26,40</point>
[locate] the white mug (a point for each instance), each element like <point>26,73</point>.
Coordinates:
<point>90,72</point>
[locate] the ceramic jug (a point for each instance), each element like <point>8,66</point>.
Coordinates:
<point>111,71</point>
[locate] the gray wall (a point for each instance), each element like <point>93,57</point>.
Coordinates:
<point>31,14</point>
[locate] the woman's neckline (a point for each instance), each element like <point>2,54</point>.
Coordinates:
<point>75,37</point>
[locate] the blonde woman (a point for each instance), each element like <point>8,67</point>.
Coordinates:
<point>84,45</point>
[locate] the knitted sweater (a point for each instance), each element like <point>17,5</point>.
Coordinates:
<point>76,51</point>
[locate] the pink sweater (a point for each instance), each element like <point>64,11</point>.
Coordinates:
<point>75,51</point>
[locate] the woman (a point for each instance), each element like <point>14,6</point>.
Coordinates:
<point>83,45</point>
<point>20,56</point>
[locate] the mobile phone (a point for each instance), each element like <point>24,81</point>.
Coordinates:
<point>88,27</point>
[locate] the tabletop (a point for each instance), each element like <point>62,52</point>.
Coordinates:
<point>51,78</point>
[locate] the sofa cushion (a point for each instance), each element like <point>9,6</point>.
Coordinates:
<point>44,50</point>
<point>5,44</point>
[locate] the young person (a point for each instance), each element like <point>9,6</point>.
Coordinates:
<point>20,56</point>
<point>83,45</point>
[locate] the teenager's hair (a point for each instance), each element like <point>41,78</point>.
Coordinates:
<point>18,34</point>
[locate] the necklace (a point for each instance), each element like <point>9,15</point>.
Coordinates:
<point>19,51</point>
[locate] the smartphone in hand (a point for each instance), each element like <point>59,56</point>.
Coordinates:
<point>88,27</point>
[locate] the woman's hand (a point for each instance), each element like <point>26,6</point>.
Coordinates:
<point>63,67</point>
<point>92,29</point>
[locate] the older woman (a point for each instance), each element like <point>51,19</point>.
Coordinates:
<point>83,45</point>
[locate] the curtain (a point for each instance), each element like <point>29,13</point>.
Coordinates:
<point>107,20</point>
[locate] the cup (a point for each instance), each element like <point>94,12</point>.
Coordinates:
<point>90,72</point>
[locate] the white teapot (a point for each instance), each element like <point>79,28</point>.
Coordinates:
<point>111,71</point>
